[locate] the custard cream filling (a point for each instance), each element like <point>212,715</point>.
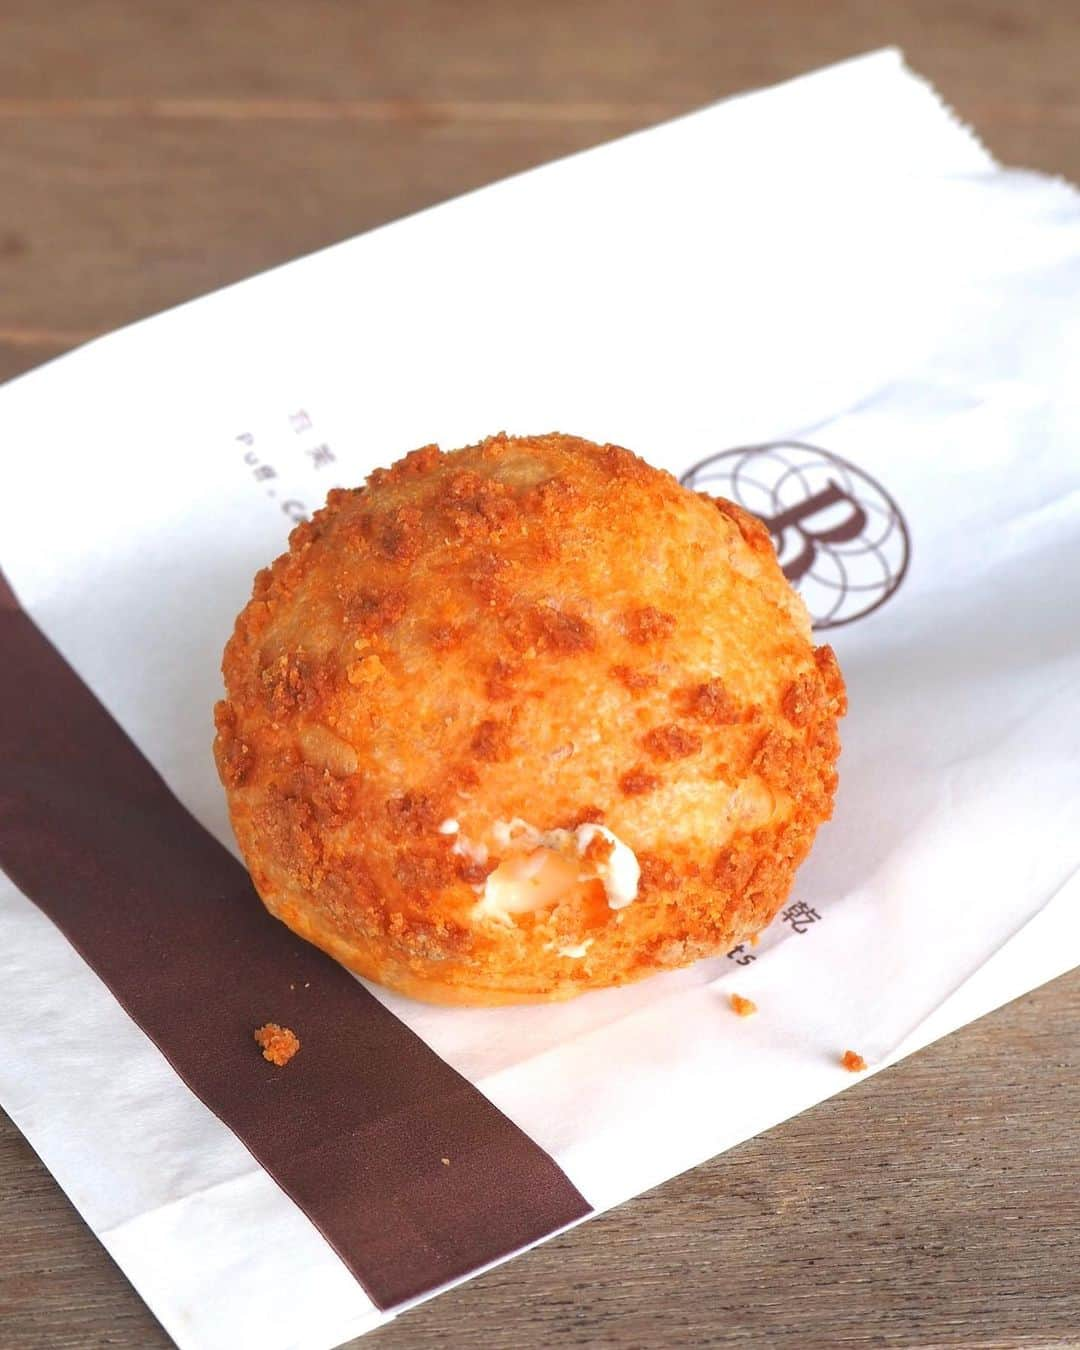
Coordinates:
<point>539,867</point>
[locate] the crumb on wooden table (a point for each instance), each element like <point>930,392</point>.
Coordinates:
<point>852,1062</point>
<point>745,1007</point>
<point>279,1044</point>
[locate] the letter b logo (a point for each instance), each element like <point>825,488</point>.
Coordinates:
<point>840,538</point>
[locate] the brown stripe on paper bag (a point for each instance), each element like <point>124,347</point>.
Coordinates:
<point>357,1127</point>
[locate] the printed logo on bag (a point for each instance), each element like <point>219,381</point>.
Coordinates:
<point>841,539</point>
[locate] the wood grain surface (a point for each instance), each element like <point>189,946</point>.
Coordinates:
<point>151,152</point>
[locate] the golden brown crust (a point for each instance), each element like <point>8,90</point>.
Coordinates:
<point>537,628</point>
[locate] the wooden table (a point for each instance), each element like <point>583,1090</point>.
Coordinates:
<point>150,152</point>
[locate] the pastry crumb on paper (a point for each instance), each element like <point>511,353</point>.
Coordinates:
<point>854,1063</point>
<point>745,1007</point>
<point>278,1044</point>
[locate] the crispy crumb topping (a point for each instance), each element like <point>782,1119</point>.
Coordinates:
<point>278,1044</point>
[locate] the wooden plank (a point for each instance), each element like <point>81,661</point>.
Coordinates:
<point>110,220</point>
<point>127,217</point>
<point>144,182</point>
<point>21,351</point>
<point>679,51</point>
